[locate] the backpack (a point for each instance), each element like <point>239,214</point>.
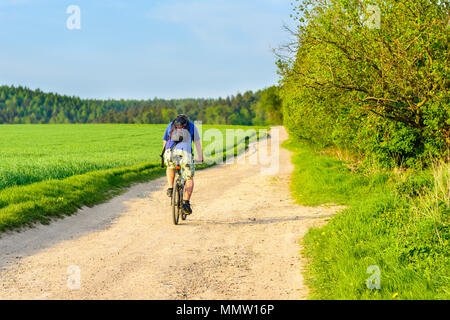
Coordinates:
<point>176,134</point>
<point>191,131</point>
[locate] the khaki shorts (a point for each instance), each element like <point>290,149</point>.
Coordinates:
<point>188,168</point>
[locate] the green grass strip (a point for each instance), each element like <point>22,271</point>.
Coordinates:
<point>398,222</point>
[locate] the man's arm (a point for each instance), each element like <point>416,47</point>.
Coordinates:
<point>198,145</point>
<point>162,153</point>
<point>198,148</point>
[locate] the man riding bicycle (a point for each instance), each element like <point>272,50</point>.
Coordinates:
<point>177,141</point>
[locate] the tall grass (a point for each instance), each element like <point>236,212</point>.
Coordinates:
<point>396,220</point>
<point>433,202</point>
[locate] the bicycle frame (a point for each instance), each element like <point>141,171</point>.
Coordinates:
<point>178,174</point>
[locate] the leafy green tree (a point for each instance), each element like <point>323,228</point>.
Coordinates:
<point>271,104</point>
<point>356,86</point>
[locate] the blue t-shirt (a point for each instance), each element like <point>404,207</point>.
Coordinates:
<point>184,145</point>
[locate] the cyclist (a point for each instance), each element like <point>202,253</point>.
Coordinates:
<point>173,145</point>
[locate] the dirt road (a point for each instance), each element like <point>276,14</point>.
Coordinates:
<point>240,243</point>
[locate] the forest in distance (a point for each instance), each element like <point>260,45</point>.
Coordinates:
<point>20,105</point>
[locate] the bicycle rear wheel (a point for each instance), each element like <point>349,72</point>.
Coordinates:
<point>176,204</point>
<point>183,215</point>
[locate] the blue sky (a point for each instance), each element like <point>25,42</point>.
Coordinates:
<point>142,49</point>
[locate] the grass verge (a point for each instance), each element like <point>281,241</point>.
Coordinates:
<point>40,202</point>
<point>397,221</point>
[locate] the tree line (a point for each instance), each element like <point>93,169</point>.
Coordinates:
<point>378,91</point>
<point>20,105</point>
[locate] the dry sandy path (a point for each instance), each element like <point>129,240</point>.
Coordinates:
<point>240,243</point>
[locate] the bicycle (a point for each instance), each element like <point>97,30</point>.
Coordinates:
<point>178,191</point>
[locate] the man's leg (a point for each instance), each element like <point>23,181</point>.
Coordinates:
<point>170,173</point>
<point>188,175</point>
<point>188,189</point>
